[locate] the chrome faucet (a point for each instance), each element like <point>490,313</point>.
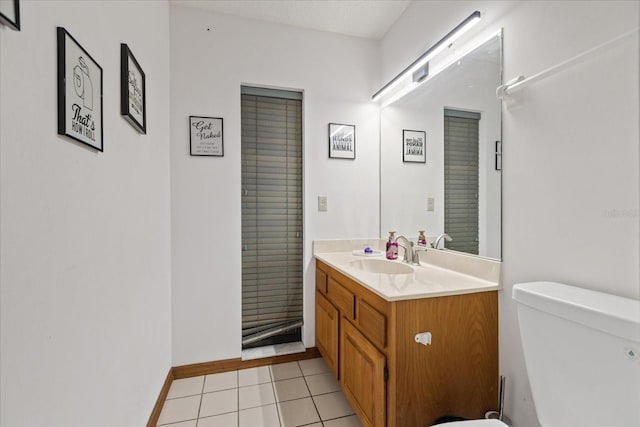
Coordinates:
<point>408,248</point>
<point>446,237</point>
<point>416,251</point>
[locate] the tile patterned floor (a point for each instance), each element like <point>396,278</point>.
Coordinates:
<point>293,394</point>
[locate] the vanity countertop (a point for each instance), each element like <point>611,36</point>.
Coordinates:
<point>440,273</point>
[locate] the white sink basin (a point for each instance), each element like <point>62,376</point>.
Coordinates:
<point>381,266</point>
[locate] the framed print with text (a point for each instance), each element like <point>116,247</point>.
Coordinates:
<point>10,13</point>
<point>413,146</point>
<point>133,105</point>
<point>342,141</point>
<point>79,92</point>
<point>206,136</point>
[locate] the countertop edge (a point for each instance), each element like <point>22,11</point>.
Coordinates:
<point>483,285</point>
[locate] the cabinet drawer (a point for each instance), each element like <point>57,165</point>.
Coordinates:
<point>321,281</point>
<point>372,323</point>
<point>341,298</point>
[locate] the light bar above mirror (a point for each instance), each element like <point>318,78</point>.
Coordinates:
<point>419,63</point>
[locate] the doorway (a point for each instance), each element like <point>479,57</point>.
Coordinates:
<point>272,241</point>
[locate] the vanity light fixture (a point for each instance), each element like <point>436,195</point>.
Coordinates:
<point>429,74</point>
<point>421,73</point>
<point>452,36</point>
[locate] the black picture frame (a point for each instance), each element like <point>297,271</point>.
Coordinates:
<point>206,136</point>
<point>342,141</point>
<point>133,90</point>
<point>414,146</point>
<point>79,93</point>
<point>9,17</point>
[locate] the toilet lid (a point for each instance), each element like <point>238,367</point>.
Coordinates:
<point>475,423</point>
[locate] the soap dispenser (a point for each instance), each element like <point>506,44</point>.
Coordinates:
<point>392,246</point>
<point>422,240</point>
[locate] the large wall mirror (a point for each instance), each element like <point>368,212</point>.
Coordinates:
<point>454,186</point>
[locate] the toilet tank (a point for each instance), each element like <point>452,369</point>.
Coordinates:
<point>582,353</point>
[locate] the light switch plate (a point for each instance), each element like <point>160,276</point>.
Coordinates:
<point>322,203</point>
<point>430,204</point>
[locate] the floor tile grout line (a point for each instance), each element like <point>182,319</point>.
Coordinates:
<point>200,405</point>
<point>237,395</point>
<point>215,415</point>
<point>216,391</point>
<point>180,421</point>
<point>176,422</point>
<point>186,395</point>
<point>182,397</point>
<point>311,395</point>
<point>253,385</point>
<point>295,398</point>
<point>322,394</point>
<point>300,398</point>
<point>204,380</point>
<point>275,397</point>
<point>288,378</point>
<point>222,389</point>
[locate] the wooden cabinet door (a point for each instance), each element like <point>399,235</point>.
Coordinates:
<point>362,376</point>
<point>327,318</point>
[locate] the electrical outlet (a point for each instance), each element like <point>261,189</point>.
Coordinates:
<point>430,204</point>
<point>322,203</point>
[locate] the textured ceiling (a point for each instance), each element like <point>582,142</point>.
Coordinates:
<point>362,18</point>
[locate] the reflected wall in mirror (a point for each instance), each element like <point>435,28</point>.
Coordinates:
<point>458,189</point>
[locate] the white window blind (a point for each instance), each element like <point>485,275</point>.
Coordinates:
<point>461,145</point>
<point>271,212</point>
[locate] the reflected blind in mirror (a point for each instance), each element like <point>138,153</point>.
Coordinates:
<point>271,212</point>
<point>461,146</point>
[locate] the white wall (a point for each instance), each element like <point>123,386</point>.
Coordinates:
<point>570,151</point>
<point>85,238</point>
<point>211,56</point>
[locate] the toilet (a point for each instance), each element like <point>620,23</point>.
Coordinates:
<point>582,354</point>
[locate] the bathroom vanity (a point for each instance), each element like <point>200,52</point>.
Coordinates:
<point>368,312</point>
<point>411,344</point>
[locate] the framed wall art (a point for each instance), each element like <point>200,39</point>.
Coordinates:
<point>79,93</point>
<point>342,141</point>
<point>413,146</point>
<point>10,13</point>
<point>207,138</point>
<point>133,105</point>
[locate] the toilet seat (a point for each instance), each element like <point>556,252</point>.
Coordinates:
<point>475,423</point>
